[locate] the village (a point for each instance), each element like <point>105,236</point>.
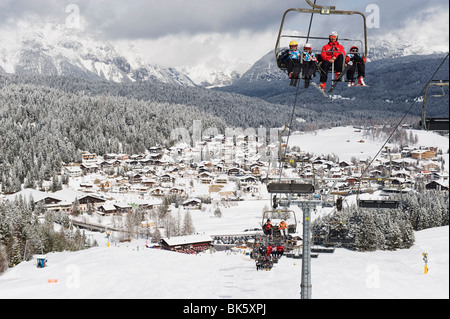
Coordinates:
<point>223,170</point>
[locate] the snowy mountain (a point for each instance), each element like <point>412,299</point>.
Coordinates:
<point>265,69</point>
<point>54,49</point>
<point>218,76</point>
<point>394,46</point>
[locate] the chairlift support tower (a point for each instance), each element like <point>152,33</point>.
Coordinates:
<point>306,206</point>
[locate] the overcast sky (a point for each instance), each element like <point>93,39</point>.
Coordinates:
<point>182,32</point>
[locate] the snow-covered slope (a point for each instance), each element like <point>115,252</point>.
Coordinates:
<point>345,142</point>
<point>55,49</point>
<point>132,271</point>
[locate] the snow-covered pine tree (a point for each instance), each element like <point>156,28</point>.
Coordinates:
<point>3,259</point>
<point>393,235</point>
<point>368,237</point>
<point>188,225</point>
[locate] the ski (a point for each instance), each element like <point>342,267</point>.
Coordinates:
<point>314,84</point>
<point>358,85</point>
<point>336,81</point>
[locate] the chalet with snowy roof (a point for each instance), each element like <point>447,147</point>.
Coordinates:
<point>89,168</point>
<point>206,177</point>
<point>157,191</point>
<point>88,158</point>
<point>248,179</point>
<point>430,166</point>
<point>251,189</point>
<point>440,176</point>
<point>192,203</point>
<point>166,178</point>
<point>344,164</point>
<point>73,171</point>
<point>107,209</point>
<point>176,191</point>
<point>439,185</point>
<point>125,208</point>
<point>122,157</point>
<point>235,171</point>
<point>423,154</point>
<point>256,169</point>
<point>139,189</point>
<point>148,182</point>
<point>53,203</point>
<point>222,179</point>
<point>90,200</point>
<point>114,209</point>
<point>187,244</point>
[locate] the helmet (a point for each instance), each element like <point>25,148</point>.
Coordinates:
<point>293,43</point>
<point>307,46</point>
<point>354,49</point>
<point>333,34</point>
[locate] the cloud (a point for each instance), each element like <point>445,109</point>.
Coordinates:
<point>186,32</point>
<point>211,49</point>
<point>151,19</point>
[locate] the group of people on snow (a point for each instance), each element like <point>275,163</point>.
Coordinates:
<point>333,53</point>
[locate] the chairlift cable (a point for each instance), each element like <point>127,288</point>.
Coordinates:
<point>400,122</point>
<point>293,109</point>
<point>310,23</point>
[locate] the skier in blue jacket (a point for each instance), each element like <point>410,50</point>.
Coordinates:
<point>309,64</point>
<point>292,59</point>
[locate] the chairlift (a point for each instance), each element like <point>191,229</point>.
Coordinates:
<point>389,204</point>
<point>434,123</point>
<point>276,216</point>
<point>324,11</point>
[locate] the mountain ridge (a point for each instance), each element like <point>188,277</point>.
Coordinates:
<point>52,49</point>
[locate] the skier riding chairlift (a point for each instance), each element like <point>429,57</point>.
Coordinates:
<point>333,53</point>
<point>359,65</point>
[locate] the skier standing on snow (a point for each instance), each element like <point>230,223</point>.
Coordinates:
<point>332,53</point>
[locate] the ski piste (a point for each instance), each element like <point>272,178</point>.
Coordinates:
<point>336,81</point>
<point>314,84</point>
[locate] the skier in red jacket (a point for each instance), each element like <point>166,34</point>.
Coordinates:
<point>332,53</point>
<point>269,250</point>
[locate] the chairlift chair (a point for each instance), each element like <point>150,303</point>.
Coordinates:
<point>276,216</point>
<point>322,10</point>
<point>434,123</point>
